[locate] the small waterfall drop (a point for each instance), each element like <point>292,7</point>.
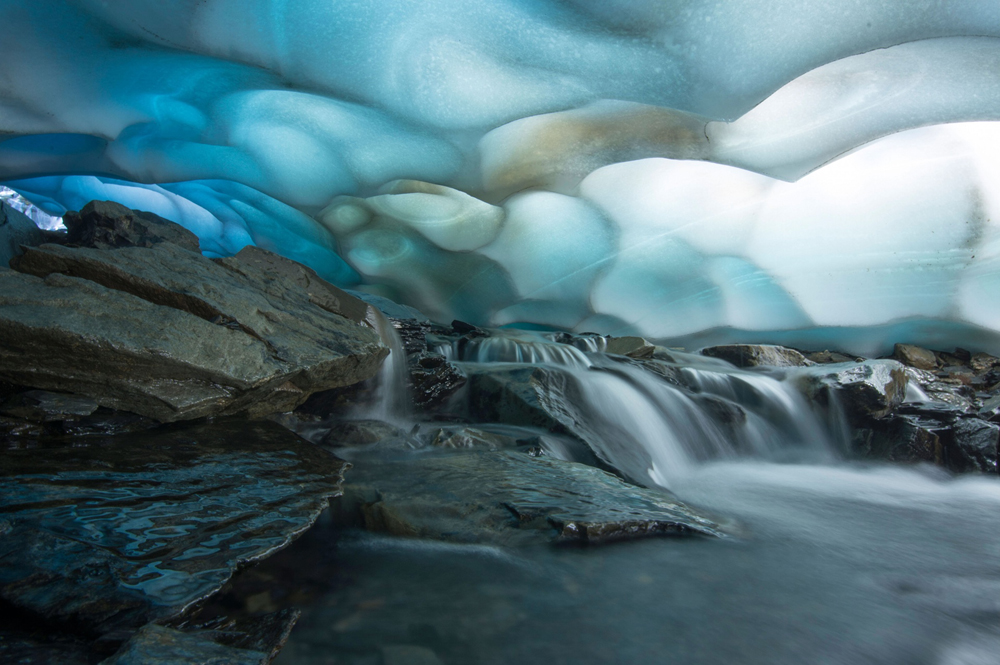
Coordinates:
<point>391,398</point>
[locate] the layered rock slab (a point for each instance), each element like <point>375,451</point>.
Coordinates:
<point>110,533</point>
<point>509,497</point>
<point>141,322</point>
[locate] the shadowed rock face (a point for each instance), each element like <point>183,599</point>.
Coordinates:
<point>113,532</point>
<point>139,321</point>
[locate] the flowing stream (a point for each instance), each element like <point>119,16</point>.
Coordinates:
<point>835,562</point>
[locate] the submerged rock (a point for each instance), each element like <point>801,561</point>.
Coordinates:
<point>156,645</point>
<point>508,497</point>
<point>140,322</point>
<point>757,355</point>
<point>110,533</point>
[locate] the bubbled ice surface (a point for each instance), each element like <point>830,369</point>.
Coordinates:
<point>665,169</point>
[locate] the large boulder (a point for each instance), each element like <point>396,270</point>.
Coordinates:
<point>757,355</point>
<point>507,497</point>
<point>141,322</point>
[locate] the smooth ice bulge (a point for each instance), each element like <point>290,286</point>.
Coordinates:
<point>708,170</point>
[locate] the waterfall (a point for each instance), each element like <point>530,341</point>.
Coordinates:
<point>391,399</point>
<point>656,420</point>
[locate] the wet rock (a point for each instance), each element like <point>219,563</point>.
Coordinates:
<point>953,392</point>
<point>470,437</point>
<point>914,356</point>
<point>359,433</point>
<point>757,355</point>
<point>156,645</point>
<point>991,409</point>
<point>467,329</point>
<point>16,229</point>
<point>262,633</point>
<point>633,347</point>
<point>510,395</point>
<point>43,406</point>
<point>971,445</point>
<point>413,334</point>
<point>509,498</point>
<point>155,328</point>
<point>904,438</point>
<point>433,379</point>
<point>32,650</point>
<point>870,389</point>
<point>109,533</point>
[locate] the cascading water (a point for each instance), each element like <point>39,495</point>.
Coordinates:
<point>655,422</point>
<point>391,399</point>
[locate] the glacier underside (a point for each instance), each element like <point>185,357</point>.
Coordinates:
<point>793,171</point>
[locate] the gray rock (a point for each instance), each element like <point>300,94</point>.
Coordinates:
<point>915,356</point>
<point>983,362</point>
<point>633,347</point>
<point>757,355</point>
<point>869,389</point>
<point>110,533</point>
<point>16,229</point>
<point>905,438</point>
<point>827,357</point>
<point>509,498</point>
<point>165,332</point>
<point>433,379</point>
<point>156,645</point>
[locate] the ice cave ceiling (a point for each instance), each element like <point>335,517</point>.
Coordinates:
<point>784,170</point>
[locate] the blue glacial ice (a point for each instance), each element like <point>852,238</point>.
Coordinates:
<point>765,170</point>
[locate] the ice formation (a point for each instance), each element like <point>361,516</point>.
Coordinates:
<point>764,170</point>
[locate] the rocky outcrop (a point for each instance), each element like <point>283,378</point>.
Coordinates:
<point>139,321</point>
<point>868,389</point>
<point>105,534</point>
<point>757,355</point>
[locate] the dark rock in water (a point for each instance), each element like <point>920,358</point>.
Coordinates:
<point>971,445</point>
<point>43,406</point>
<point>633,347</point>
<point>33,650</point>
<point>509,498</point>
<point>991,409</point>
<point>262,633</point>
<point>870,389</point>
<point>359,433</point>
<point>16,229</point>
<point>757,355</point>
<point>154,328</point>
<point>433,379</point>
<point>156,645</point>
<point>915,356</point>
<point>413,334</point>
<point>906,438</point>
<point>471,437</point>
<point>106,224</point>
<point>110,533</point>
